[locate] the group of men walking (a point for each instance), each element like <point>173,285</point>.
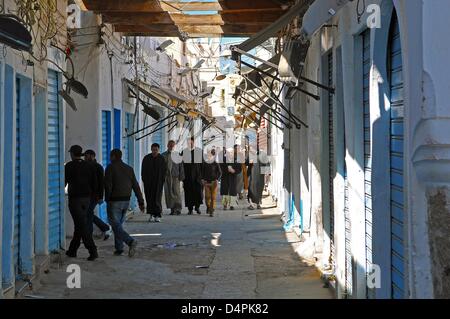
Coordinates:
<point>88,186</point>
<point>168,170</point>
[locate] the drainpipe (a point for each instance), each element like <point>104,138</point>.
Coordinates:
<point>110,56</point>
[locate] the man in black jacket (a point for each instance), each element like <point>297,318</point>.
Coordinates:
<point>120,180</point>
<point>89,156</point>
<point>211,174</point>
<point>153,175</point>
<point>193,188</point>
<point>82,181</point>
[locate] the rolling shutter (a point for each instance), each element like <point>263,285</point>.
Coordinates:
<point>55,189</point>
<point>17,187</point>
<point>397,165</point>
<point>366,62</point>
<point>106,150</point>
<point>331,154</point>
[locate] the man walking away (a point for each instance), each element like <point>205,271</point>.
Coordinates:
<point>82,181</point>
<point>193,188</point>
<point>211,173</point>
<point>230,171</point>
<point>120,180</point>
<point>175,174</point>
<point>153,175</point>
<point>89,156</point>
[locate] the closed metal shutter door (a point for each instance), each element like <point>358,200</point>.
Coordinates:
<point>117,128</point>
<point>348,239</point>
<point>367,151</point>
<point>397,146</point>
<point>331,164</point>
<point>106,150</point>
<point>18,197</point>
<point>54,164</point>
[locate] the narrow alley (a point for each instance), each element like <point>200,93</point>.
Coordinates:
<point>181,259</point>
<point>328,120</point>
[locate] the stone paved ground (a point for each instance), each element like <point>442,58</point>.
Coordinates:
<point>254,258</point>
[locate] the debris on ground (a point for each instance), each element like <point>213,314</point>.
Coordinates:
<point>202,267</point>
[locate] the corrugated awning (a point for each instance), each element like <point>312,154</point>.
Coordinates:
<point>256,74</point>
<point>318,14</point>
<point>271,31</point>
<point>159,94</point>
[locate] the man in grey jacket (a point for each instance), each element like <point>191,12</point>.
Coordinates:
<point>174,175</point>
<point>119,181</point>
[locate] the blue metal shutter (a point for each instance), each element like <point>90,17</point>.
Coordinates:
<point>348,239</point>
<point>54,164</point>
<point>366,60</point>
<point>396,172</point>
<point>331,154</point>
<point>117,128</point>
<point>18,197</point>
<point>106,150</point>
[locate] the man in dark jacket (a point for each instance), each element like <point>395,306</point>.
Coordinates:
<point>211,173</point>
<point>193,188</point>
<point>82,181</point>
<point>120,180</point>
<point>89,156</point>
<point>231,168</point>
<point>153,175</point>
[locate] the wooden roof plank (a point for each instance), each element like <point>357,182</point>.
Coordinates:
<point>177,6</point>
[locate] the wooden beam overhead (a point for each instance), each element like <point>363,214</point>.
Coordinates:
<point>250,4</point>
<point>149,6</point>
<point>177,6</point>
<point>184,19</point>
<point>169,30</point>
<point>166,18</point>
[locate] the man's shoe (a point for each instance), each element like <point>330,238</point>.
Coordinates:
<point>132,250</point>
<point>71,254</point>
<point>108,233</point>
<point>118,253</point>
<point>157,219</point>
<point>259,206</point>
<point>172,213</point>
<point>190,212</point>
<point>231,207</point>
<point>199,212</point>
<point>178,213</point>
<point>251,207</point>
<point>93,256</point>
<point>152,219</point>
